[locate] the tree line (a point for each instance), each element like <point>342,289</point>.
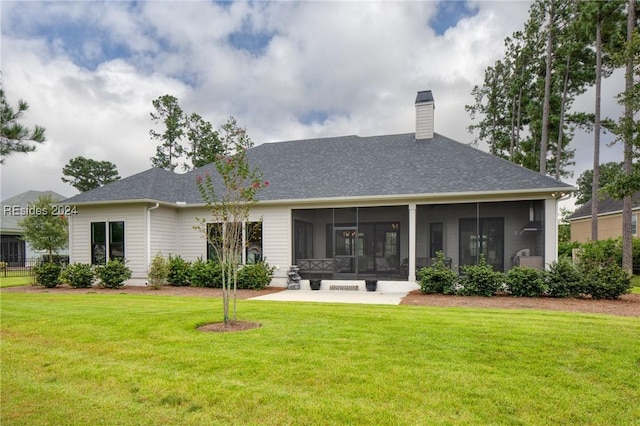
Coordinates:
<point>523,109</point>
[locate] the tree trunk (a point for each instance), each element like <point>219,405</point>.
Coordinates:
<point>595,186</point>
<point>561,125</point>
<point>627,241</point>
<point>546,106</point>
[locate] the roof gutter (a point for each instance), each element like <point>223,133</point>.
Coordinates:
<point>459,197</point>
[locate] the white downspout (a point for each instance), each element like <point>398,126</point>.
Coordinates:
<point>149,235</point>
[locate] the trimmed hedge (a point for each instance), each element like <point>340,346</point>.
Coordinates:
<point>523,281</point>
<point>48,274</point>
<point>179,272</point>
<point>437,278</point>
<point>480,280</point>
<point>206,274</point>
<point>78,275</point>
<point>255,276</point>
<point>113,274</point>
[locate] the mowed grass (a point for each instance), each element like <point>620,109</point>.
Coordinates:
<point>15,281</point>
<point>139,360</point>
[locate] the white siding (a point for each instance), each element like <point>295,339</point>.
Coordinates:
<point>276,235</point>
<point>424,120</point>
<point>133,216</point>
<point>191,243</point>
<point>164,231</point>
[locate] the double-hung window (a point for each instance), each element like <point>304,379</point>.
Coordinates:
<point>107,241</point>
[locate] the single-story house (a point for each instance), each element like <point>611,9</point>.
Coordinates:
<point>13,249</point>
<point>609,219</point>
<point>349,208</point>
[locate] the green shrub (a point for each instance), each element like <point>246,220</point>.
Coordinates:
<point>255,276</point>
<point>78,275</point>
<point>113,274</point>
<point>564,279</point>
<point>158,271</point>
<point>48,274</point>
<point>480,279</point>
<point>437,278</point>
<point>523,281</point>
<point>179,271</point>
<point>206,274</point>
<point>605,281</point>
<point>602,251</point>
<point>565,248</point>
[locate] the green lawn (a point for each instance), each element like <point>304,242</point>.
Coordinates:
<point>10,281</point>
<point>122,359</point>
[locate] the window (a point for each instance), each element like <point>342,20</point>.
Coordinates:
<point>252,238</point>
<point>254,242</point>
<point>634,224</point>
<point>100,250</point>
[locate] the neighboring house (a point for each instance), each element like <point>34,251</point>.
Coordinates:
<point>609,219</point>
<point>13,249</point>
<point>352,207</point>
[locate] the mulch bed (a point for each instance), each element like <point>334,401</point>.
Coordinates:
<point>627,305</point>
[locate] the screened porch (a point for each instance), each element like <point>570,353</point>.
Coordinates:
<point>393,242</point>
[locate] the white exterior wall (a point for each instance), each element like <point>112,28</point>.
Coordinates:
<point>133,216</point>
<point>424,120</point>
<point>191,243</point>
<point>276,236</point>
<point>164,233</point>
<point>277,241</point>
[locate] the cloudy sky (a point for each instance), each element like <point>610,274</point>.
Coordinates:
<point>286,70</point>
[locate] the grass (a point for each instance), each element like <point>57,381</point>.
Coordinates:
<point>123,359</point>
<point>15,281</point>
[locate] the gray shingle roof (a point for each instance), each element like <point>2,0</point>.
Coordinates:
<point>348,166</point>
<point>9,222</point>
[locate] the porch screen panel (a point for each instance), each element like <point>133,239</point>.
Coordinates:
<point>303,232</point>
<point>482,236</point>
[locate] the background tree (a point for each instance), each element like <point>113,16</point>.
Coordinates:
<point>44,230</point>
<point>86,174</point>
<point>229,197</point>
<point>205,144</point>
<point>628,131</point>
<point>171,115</point>
<point>15,137</point>
<point>523,108</point>
<point>609,173</point>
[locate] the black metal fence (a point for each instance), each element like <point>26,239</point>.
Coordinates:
<point>25,267</point>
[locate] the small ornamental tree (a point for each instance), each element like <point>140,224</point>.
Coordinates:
<point>229,197</point>
<point>43,228</point>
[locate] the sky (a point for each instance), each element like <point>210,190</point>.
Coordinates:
<point>285,70</point>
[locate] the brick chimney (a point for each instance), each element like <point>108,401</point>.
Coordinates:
<point>424,115</point>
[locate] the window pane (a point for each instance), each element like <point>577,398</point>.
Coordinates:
<point>214,230</point>
<point>98,243</point>
<point>116,240</point>
<point>254,242</point>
